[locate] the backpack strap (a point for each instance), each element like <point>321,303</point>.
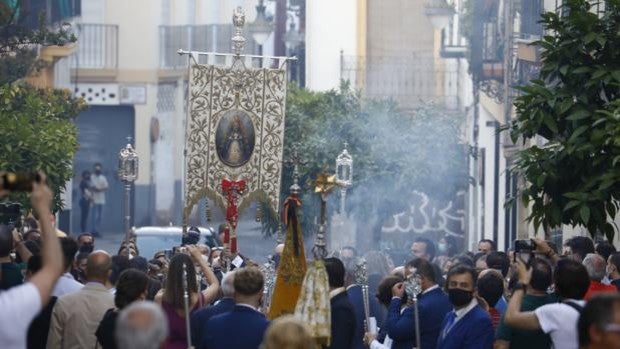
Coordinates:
<point>574,305</point>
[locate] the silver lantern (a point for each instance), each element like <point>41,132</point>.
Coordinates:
<point>344,174</point>
<point>128,163</point>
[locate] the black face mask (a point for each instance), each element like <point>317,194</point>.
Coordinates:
<point>459,297</point>
<point>88,248</point>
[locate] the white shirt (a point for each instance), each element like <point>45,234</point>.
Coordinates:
<point>387,343</point>
<point>560,322</point>
<point>430,289</point>
<point>99,182</point>
<point>20,305</point>
<point>66,284</point>
<point>333,293</point>
<point>463,311</point>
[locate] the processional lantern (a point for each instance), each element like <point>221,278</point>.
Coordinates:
<point>344,174</point>
<point>128,164</point>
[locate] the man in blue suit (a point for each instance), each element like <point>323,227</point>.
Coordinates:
<point>433,305</point>
<point>356,297</point>
<point>244,326</point>
<point>468,326</point>
<point>226,304</point>
<point>342,313</point>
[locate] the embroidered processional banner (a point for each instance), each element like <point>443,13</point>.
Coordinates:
<point>235,131</point>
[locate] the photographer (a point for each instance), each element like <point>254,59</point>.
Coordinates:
<point>10,240</point>
<point>559,320</point>
<point>28,299</point>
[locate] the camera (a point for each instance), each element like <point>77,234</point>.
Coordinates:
<point>179,249</point>
<point>524,250</point>
<point>11,214</point>
<point>18,181</point>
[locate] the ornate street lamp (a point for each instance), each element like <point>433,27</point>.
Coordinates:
<point>292,38</point>
<point>127,173</point>
<point>344,174</point>
<point>439,12</point>
<point>261,28</point>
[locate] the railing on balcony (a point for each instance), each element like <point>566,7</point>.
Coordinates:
<point>56,11</point>
<point>531,12</point>
<point>97,47</point>
<point>408,80</point>
<point>208,38</point>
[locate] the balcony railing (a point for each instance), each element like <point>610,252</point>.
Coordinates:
<point>97,47</point>
<point>207,38</point>
<point>409,80</point>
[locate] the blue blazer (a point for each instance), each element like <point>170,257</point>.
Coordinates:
<point>242,328</point>
<point>356,298</point>
<point>198,320</point>
<point>432,308</point>
<point>473,331</point>
<point>343,322</point>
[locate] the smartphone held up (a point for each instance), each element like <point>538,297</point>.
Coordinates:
<point>18,181</point>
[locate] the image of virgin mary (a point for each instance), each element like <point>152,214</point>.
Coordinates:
<point>234,138</point>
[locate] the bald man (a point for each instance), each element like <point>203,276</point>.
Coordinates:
<point>76,316</point>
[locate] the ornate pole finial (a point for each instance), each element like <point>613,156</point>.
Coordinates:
<point>295,160</point>
<point>238,41</point>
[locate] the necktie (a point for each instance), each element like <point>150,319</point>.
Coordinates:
<point>449,323</point>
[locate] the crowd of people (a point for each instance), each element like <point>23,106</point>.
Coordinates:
<point>61,292</point>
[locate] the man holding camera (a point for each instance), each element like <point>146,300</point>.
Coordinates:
<point>559,320</point>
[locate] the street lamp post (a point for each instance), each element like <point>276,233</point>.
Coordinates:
<point>261,28</point>
<point>344,175</point>
<point>292,39</point>
<point>439,12</point>
<point>127,173</point>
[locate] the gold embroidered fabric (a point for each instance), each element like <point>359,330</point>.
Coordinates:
<point>235,130</point>
<point>313,306</point>
<point>291,272</point>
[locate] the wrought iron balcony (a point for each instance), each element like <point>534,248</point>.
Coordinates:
<point>97,47</point>
<point>408,80</point>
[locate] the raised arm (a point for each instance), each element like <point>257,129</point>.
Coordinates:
<point>51,254</point>
<point>514,317</point>
<point>212,291</point>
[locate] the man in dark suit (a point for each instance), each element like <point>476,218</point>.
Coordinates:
<point>468,326</point>
<point>244,326</point>
<point>356,297</point>
<point>342,314</point>
<point>433,305</point>
<point>226,304</point>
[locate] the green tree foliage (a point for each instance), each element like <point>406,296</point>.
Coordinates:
<point>36,125</point>
<point>19,43</point>
<point>573,173</point>
<point>395,152</point>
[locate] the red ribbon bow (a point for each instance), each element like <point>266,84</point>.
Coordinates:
<point>232,189</point>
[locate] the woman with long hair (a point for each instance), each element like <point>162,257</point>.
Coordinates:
<point>171,297</point>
